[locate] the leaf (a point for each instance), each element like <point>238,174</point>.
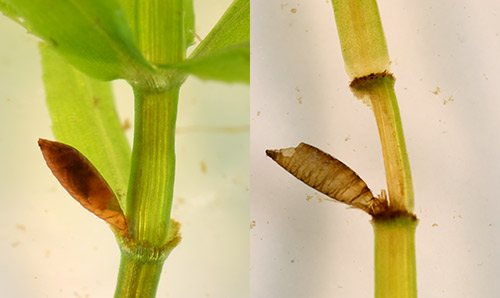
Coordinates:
<point>224,54</point>
<point>9,11</point>
<point>83,116</point>
<point>83,182</point>
<point>328,175</point>
<point>189,21</point>
<point>174,236</point>
<point>93,35</point>
<point>233,28</point>
<point>231,64</point>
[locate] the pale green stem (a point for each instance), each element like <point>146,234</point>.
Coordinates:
<point>367,63</point>
<point>361,37</point>
<point>151,183</point>
<point>140,267</point>
<point>395,269</point>
<point>149,198</point>
<point>138,278</point>
<point>158,28</point>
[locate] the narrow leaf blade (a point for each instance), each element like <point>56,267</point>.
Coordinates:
<point>233,28</point>
<point>83,116</point>
<point>83,182</point>
<point>92,34</point>
<point>231,64</point>
<point>189,21</point>
<point>9,11</point>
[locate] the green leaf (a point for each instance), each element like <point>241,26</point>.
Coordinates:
<point>9,11</point>
<point>233,28</point>
<point>189,22</point>
<point>230,64</point>
<point>84,116</point>
<point>93,35</point>
<point>224,54</point>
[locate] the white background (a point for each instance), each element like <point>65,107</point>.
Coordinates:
<point>304,247</point>
<point>51,247</point>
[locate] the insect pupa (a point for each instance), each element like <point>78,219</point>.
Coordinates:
<point>83,182</point>
<point>329,176</point>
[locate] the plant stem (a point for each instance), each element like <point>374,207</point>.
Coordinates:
<point>138,277</point>
<point>140,266</point>
<point>153,166</point>
<point>158,28</point>
<point>367,63</point>
<point>361,37</point>
<point>380,90</point>
<point>149,198</point>
<point>395,269</point>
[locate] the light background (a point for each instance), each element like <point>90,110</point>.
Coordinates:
<point>302,246</point>
<point>51,247</point>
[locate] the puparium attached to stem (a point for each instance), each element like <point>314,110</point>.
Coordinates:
<point>143,42</point>
<point>158,29</point>
<point>84,183</point>
<point>330,176</point>
<point>367,63</point>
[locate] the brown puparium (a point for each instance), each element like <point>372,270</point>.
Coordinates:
<point>83,182</point>
<point>330,176</point>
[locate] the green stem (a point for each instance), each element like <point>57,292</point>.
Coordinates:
<point>367,63</point>
<point>151,183</point>
<point>140,266</point>
<point>361,37</point>
<point>395,269</point>
<point>149,198</point>
<point>158,28</point>
<point>138,277</point>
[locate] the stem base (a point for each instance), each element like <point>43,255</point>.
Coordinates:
<point>395,267</point>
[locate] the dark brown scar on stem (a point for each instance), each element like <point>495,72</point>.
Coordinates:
<point>391,214</point>
<point>360,81</point>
